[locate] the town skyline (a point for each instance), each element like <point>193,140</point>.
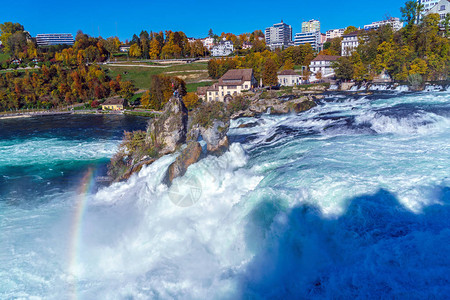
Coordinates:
<point>39,19</point>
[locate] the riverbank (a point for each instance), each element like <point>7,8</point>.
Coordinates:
<point>139,113</point>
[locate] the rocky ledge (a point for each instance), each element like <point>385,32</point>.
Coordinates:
<point>176,126</point>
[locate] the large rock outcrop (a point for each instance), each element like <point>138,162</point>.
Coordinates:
<point>188,156</point>
<point>215,137</point>
<point>169,130</point>
<point>276,106</point>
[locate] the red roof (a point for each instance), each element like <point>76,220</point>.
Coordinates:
<point>236,77</point>
<point>326,58</point>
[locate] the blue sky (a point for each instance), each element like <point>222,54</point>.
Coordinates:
<point>110,18</point>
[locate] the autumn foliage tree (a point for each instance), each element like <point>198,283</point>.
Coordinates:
<point>164,87</point>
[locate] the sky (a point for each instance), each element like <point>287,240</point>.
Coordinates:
<point>195,18</point>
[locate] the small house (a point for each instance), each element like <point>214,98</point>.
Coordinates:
<point>289,78</point>
<point>114,104</point>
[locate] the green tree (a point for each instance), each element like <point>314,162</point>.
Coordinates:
<point>350,29</point>
<point>9,29</point>
<point>411,12</point>
<point>343,68</point>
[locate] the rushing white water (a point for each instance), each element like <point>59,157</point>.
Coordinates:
<point>349,199</point>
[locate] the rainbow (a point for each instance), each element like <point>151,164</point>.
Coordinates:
<point>84,190</point>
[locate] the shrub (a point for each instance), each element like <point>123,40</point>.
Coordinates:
<point>239,103</point>
<point>207,112</point>
<point>415,81</point>
<point>95,104</point>
<point>190,100</point>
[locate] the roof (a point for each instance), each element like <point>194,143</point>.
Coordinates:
<point>354,33</point>
<point>201,90</point>
<point>236,77</point>
<point>326,58</point>
<point>288,72</point>
<point>213,87</point>
<point>114,101</point>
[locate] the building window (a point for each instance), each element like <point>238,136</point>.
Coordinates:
<point>217,93</point>
<point>228,93</point>
<point>246,86</point>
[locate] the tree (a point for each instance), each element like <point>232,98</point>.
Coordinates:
<point>270,76</point>
<point>210,33</point>
<point>145,99</point>
<point>343,68</point>
<point>190,100</point>
<point>7,29</point>
<point>319,75</point>
<point>418,66</point>
<point>127,89</point>
<point>350,29</point>
<point>155,49</point>
<point>411,12</point>
<point>288,64</point>
<point>446,25</point>
<point>135,50</point>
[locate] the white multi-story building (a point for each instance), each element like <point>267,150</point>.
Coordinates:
<point>208,42</point>
<point>224,48</point>
<point>442,8</point>
<point>322,64</point>
<point>334,33</point>
<point>49,39</point>
<point>428,4</point>
<point>394,22</point>
<point>232,83</point>
<point>312,38</point>
<point>310,26</point>
<point>279,36</point>
<point>349,43</point>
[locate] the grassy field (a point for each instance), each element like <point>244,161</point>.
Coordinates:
<point>192,87</point>
<point>141,76</point>
<point>18,70</point>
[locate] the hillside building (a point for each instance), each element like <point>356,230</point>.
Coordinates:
<point>232,83</point>
<point>278,36</point>
<point>50,39</point>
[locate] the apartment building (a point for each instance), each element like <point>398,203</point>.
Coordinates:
<point>312,38</point>
<point>334,33</point>
<point>278,36</point>
<point>394,22</point>
<point>311,26</point>
<point>49,39</point>
<point>224,48</point>
<point>349,43</point>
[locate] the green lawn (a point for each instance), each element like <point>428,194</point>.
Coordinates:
<point>18,70</point>
<point>192,87</point>
<point>141,76</point>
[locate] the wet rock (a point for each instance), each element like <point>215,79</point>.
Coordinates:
<point>188,156</point>
<point>248,125</point>
<point>215,137</point>
<point>135,169</point>
<point>169,130</point>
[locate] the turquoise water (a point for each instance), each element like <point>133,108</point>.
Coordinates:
<point>349,199</point>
